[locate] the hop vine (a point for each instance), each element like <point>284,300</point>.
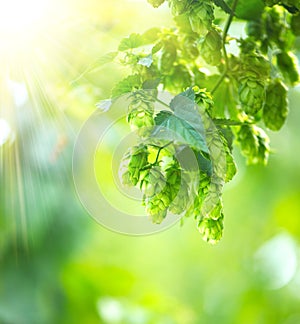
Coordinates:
<point>221,100</point>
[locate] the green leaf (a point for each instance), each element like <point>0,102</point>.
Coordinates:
<point>185,109</point>
<point>151,35</point>
<point>151,84</point>
<point>129,84</point>
<point>189,93</point>
<point>132,41</point>
<point>181,130</point>
<point>223,5</point>
<point>248,9</point>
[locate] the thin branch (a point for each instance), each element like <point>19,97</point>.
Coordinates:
<point>225,32</point>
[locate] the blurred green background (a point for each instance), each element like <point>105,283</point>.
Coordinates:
<point>59,266</point>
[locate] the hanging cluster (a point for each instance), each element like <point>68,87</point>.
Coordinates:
<point>221,97</point>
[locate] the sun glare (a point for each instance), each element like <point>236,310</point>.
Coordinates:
<point>17,16</point>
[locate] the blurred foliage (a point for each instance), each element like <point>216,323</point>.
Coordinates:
<point>58,266</point>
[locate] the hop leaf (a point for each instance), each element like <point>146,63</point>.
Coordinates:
<point>201,16</point>
<point>210,47</point>
<point>251,95</point>
<point>276,106</point>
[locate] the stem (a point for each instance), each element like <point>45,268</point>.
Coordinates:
<point>162,102</point>
<point>225,32</point>
<point>159,150</point>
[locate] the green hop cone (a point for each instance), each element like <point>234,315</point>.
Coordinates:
<point>133,162</point>
<point>287,64</point>
<point>168,58</point>
<point>140,115</point>
<point>178,80</point>
<point>179,7</point>
<point>210,47</point>
<point>156,3</point>
<point>211,229</point>
<point>295,24</point>
<point>276,106</point>
<point>203,99</point>
<point>189,47</point>
<point>178,184</point>
<point>201,16</point>
<point>157,194</point>
<point>251,94</point>
<point>254,144</point>
<point>202,191</point>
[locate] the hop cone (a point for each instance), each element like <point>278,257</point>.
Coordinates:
<point>276,106</point>
<point>135,160</point>
<point>179,189</point>
<point>157,194</point>
<point>254,144</point>
<point>211,229</point>
<point>202,191</point>
<point>156,3</point>
<point>251,95</point>
<point>168,57</point>
<point>178,80</point>
<point>201,16</point>
<point>203,99</point>
<point>210,47</point>
<point>140,115</point>
<point>287,63</point>
<point>178,7</point>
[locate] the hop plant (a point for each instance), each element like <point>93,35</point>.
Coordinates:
<point>276,106</point>
<point>201,16</point>
<point>244,89</point>
<point>210,47</point>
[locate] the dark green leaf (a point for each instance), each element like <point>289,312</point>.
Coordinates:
<point>223,5</point>
<point>248,9</point>
<point>179,129</point>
